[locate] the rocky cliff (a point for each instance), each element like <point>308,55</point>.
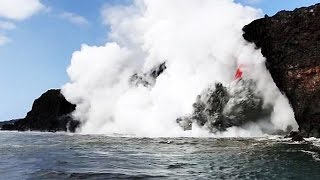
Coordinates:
<point>290,41</point>
<point>50,112</point>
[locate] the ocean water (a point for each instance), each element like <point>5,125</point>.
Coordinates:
<point>29,155</point>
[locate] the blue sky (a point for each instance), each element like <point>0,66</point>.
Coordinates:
<point>38,47</point>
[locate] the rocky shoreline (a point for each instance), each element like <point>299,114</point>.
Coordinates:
<point>290,41</point>
<point>50,112</point>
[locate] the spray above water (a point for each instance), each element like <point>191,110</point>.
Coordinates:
<point>196,42</point>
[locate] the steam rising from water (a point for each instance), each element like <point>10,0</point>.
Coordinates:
<point>200,41</point>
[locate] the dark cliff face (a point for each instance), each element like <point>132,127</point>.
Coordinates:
<point>291,43</point>
<point>50,112</point>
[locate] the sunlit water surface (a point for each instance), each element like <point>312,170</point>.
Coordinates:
<point>72,156</point>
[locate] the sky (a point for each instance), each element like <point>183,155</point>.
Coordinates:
<point>37,41</point>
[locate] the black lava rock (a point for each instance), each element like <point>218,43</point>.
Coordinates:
<point>8,124</point>
<point>149,78</point>
<point>218,108</point>
<point>50,112</point>
<point>295,136</point>
<point>290,41</point>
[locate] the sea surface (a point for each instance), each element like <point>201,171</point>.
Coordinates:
<point>29,155</point>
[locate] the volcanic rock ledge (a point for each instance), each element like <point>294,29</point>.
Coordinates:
<point>291,43</point>
<point>50,112</point>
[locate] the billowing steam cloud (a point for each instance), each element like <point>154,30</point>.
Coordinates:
<point>201,43</point>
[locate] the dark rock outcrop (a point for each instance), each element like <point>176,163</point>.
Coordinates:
<point>8,123</point>
<point>290,41</point>
<point>50,112</point>
<point>148,79</point>
<point>295,136</point>
<point>219,107</point>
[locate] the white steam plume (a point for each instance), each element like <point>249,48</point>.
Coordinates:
<point>200,41</point>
